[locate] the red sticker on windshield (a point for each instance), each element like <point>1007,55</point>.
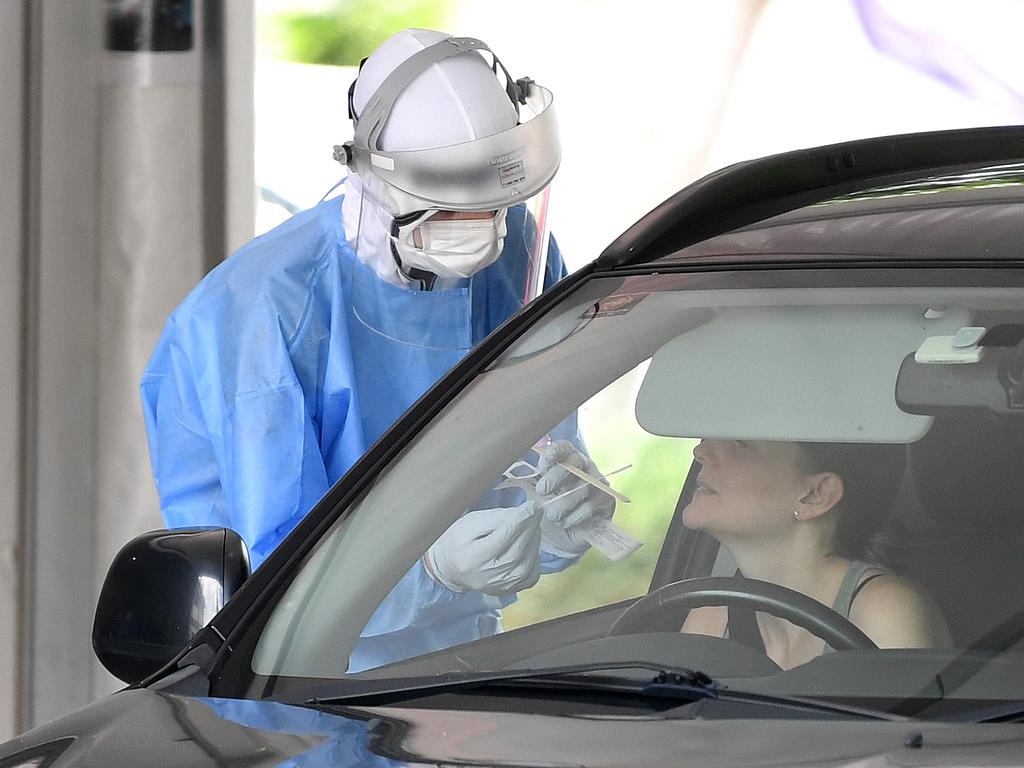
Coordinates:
<point>619,304</point>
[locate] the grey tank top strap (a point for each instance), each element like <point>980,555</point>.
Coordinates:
<point>855,576</point>
<point>858,574</point>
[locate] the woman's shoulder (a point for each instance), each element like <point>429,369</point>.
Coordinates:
<point>879,585</point>
<point>897,613</point>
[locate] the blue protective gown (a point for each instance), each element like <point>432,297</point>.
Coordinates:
<point>265,387</point>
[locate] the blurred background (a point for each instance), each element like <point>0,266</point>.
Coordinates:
<point>145,140</point>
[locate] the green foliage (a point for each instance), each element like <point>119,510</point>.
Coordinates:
<point>345,31</point>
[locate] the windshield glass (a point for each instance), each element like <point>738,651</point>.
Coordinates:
<point>801,480</point>
<point>849,435</point>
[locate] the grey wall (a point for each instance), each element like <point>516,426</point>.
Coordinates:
<point>11,95</point>
<point>61,321</point>
<point>103,229</point>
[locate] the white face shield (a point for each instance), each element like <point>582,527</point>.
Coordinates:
<point>475,174</point>
<point>450,170</point>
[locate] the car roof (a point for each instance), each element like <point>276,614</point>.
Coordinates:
<point>842,201</point>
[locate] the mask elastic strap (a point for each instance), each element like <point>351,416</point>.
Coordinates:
<point>423,277</point>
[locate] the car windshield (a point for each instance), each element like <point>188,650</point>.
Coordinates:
<point>674,462</point>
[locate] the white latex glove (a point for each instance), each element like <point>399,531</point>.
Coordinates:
<point>495,551</point>
<point>567,519</point>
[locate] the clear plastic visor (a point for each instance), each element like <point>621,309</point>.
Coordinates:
<point>492,172</point>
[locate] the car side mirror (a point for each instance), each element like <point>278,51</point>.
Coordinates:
<point>162,588</point>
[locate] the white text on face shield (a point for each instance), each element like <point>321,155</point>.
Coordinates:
<point>512,174</point>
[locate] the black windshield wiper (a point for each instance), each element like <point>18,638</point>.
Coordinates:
<point>672,686</point>
<point>667,685</point>
<point>687,683</point>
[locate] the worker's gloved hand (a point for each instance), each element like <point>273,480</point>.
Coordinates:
<point>566,519</point>
<point>495,551</point>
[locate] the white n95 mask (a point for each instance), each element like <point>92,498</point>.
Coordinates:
<point>451,248</point>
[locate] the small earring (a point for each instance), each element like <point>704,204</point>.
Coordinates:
<point>796,513</point>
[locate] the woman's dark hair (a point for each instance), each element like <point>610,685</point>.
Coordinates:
<point>871,475</point>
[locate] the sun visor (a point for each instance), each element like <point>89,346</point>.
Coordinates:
<point>794,373</point>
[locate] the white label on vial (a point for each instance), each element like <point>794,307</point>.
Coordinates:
<point>611,541</point>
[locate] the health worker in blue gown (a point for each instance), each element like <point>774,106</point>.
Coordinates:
<point>293,356</point>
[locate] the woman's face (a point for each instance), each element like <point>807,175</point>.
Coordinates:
<point>745,488</point>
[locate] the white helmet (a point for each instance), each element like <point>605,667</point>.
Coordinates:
<point>433,123</point>
<point>439,128</point>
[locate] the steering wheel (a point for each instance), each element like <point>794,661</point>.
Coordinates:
<point>671,603</point>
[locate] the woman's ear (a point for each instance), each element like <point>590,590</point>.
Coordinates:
<point>821,493</point>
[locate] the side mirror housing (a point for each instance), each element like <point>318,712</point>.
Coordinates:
<point>162,588</point>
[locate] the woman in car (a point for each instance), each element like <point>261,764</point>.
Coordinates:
<point>812,517</point>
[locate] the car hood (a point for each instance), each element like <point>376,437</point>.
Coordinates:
<point>142,727</point>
